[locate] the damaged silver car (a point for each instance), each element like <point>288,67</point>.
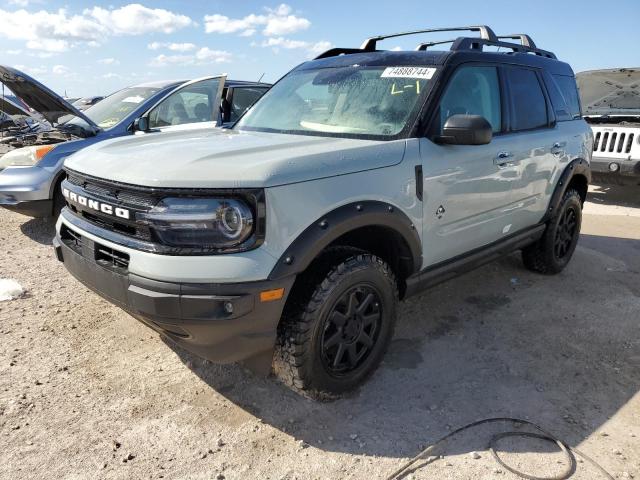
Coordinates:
<point>31,162</point>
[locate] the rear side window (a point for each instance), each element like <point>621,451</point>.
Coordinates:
<point>243,98</point>
<point>473,91</point>
<point>569,91</point>
<point>528,103</point>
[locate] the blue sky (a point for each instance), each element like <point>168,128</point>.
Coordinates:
<point>88,47</point>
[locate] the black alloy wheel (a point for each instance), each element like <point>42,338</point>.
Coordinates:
<point>351,329</point>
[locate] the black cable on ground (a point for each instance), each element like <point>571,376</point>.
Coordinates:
<point>569,451</point>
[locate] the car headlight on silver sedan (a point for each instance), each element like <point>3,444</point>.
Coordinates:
<point>25,156</point>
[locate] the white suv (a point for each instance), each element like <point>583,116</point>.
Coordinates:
<point>359,179</point>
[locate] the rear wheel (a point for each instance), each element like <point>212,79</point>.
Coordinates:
<point>337,330</point>
<point>552,252</point>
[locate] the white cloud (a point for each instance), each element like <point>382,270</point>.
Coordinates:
<point>109,61</point>
<point>31,70</point>
<point>14,52</point>
<point>60,70</point>
<point>285,25</point>
<point>136,19</point>
<point>174,47</point>
<point>111,75</point>
<point>19,3</point>
<point>58,31</point>
<point>203,56</point>
<point>311,47</point>
<point>278,21</point>
<point>206,55</point>
<point>48,45</point>
<point>284,43</point>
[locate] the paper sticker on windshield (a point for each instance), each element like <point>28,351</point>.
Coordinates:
<point>408,72</point>
<point>134,99</point>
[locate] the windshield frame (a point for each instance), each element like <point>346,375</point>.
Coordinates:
<point>405,132</point>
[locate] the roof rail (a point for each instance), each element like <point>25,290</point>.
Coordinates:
<point>427,45</point>
<point>486,33</point>
<point>525,40</point>
<point>477,44</point>
<point>334,52</point>
<point>487,38</point>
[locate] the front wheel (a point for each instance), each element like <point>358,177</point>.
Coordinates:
<point>336,335</point>
<point>552,252</point>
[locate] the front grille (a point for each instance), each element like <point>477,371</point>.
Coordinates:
<point>117,195</point>
<point>613,142</point>
<point>113,192</point>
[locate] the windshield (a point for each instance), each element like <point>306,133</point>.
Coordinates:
<point>114,108</point>
<point>349,101</point>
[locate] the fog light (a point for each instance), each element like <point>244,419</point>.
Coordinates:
<point>614,167</point>
<point>228,307</point>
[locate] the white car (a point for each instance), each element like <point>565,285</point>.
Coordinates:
<point>611,103</point>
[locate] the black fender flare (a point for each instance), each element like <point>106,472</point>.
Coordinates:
<point>57,179</point>
<point>317,236</point>
<point>576,167</point>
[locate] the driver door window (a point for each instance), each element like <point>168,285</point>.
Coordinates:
<point>473,91</point>
<point>192,104</point>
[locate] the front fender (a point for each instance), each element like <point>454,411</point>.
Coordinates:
<point>321,233</point>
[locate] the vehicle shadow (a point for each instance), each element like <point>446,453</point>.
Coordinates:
<point>497,342</point>
<point>41,230</point>
<point>619,195</point>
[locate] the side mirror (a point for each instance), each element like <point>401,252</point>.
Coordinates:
<point>141,124</point>
<point>466,130</point>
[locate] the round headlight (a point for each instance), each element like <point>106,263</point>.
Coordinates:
<point>233,221</point>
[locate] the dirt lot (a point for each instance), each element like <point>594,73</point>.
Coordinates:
<point>88,392</point>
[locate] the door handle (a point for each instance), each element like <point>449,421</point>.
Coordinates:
<point>558,148</point>
<point>502,159</point>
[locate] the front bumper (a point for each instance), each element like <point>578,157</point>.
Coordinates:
<point>626,168</point>
<point>224,322</point>
<point>27,190</point>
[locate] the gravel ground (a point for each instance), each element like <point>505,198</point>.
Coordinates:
<point>88,392</point>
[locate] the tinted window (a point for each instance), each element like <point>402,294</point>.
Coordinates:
<point>473,91</point>
<point>191,104</point>
<point>569,90</point>
<point>242,99</point>
<point>529,106</point>
<point>560,107</point>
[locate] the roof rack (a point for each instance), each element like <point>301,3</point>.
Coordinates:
<point>427,45</point>
<point>525,40</point>
<point>487,38</point>
<point>486,33</point>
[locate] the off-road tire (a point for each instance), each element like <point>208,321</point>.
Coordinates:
<point>542,256</point>
<point>299,360</point>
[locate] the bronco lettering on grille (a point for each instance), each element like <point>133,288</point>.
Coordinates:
<point>73,197</point>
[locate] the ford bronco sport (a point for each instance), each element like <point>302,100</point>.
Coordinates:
<point>359,179</point>
<point>611,101</point>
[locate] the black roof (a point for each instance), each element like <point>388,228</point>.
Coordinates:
<point>463,49</point>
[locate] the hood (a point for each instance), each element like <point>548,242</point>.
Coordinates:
<point>43,100</point>
<point>12,108</point>
<point>213,158</point>
<point>610,92</point>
